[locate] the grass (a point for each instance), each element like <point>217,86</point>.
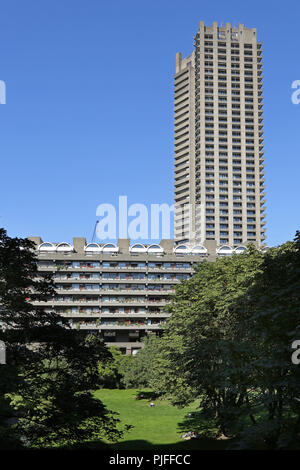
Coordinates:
<point>156,428</point>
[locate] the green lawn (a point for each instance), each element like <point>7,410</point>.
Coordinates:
<point>156,428</point>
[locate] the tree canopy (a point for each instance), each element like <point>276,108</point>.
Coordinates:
<point>228,344</point>
<point>51,369</point>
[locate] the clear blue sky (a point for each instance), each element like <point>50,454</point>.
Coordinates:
<point>89,113</point>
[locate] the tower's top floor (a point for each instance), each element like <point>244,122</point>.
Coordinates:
<point>218,33</point>
<point>234,33</point>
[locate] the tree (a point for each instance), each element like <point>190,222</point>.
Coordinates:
<point>112,371</point>
<point>138,371</point>
<point>201,336</point>
<point>274,324</point>
<point>50,367</point>
<point>228,344</point>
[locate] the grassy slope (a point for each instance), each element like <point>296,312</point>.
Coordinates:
<point>154,428</point>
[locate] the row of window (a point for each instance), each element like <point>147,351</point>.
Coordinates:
<point>121,276</point>
<point>223,44</point>
<point>86,298</point>
<point>235,65</point>
<point>112,323</point>
<point>225,204</point>
<point>210,233</point>
<point>223,121</point>
<point>235,219</point>
<point>210,57</point>
<point>111,286</point>
<point>222,35</point>
<point>222,93</point>
<point>224,182</point>
<point>209,189</point>
<point>222,83</point>
<point>222,52</point>
<point>235,226</point>
<point>222,101</point>
<point>225,169</point>
<point>112,264</point>
<point>234,198</point>
<point>236,241</point>
<point>107,310</point>
<point>223,161</point>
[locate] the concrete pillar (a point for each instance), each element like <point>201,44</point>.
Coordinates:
<point>79,244</point>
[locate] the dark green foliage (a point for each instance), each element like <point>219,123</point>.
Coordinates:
<point>50,368</point>
<point>228,343</point>
<point>111,372</point>
<point>138,371</point>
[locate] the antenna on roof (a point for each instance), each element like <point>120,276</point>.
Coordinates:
<point>94,232</point>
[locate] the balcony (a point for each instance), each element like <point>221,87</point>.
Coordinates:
<point>112,326</point>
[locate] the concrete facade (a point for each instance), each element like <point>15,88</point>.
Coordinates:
<point>120,289</point>
<point>219,158</point>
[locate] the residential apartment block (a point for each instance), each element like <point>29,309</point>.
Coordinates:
<point>219,157</point>
<point>120,289</point>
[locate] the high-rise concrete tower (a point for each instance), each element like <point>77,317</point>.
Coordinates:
<point>219,162</point>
